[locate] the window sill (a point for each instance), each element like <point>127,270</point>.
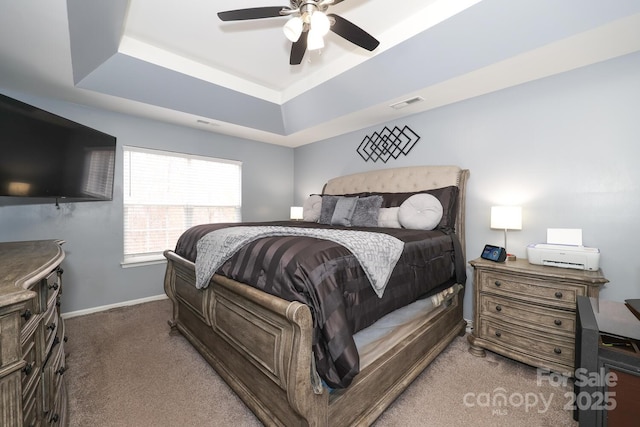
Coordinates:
<point>143,261</point>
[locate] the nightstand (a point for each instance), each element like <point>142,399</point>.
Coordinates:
<point>528,312</point>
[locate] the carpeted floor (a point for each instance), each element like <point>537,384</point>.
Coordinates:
<point>125,369</point>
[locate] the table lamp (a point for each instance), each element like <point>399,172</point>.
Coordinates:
<point>506,218</point>
<point>296,213</point>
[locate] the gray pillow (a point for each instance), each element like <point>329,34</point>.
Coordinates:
<point>366,211</point>
<point>345,206</point>
<point>327,208</point>
<point>311,208</point>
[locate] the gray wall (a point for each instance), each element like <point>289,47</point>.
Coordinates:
<point>93,231</point>
<point>565,148</point>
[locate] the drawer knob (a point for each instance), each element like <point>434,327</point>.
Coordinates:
<point>558,294</point>
<point>498,307</point>
<point>497,283</point>
<point>51,326</point>
<point>557,322</point>
<point>54,286</point>
<point>28,368</point>
<point>61,370</point>
<point>55,418</point>
<point>557,350</point>
<point>26,314</point>
<point>498,334</point>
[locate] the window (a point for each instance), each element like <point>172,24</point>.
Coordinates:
<point>98,170</point>
<point>165,193</point>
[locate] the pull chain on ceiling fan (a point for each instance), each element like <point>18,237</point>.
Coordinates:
<point>308,24</point>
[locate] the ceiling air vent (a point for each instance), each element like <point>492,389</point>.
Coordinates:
<point>406,102</point>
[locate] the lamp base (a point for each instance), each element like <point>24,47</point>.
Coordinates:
<point>511,257</point>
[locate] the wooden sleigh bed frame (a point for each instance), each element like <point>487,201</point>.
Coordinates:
<point>261,344</point>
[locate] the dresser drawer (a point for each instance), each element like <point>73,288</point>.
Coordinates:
<point>28,315</point>
<point>30,371</point>
<point>31,407</point>
<point>54,369</point>
<point>527,341</point>
<point>58,415</point>
<point>50,327</point>
<point>51,287</point>
<point>545,292</point>
<point>543,319</point>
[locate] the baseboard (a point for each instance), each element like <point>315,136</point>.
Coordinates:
<point>469,325</point>
<point>110,306</point>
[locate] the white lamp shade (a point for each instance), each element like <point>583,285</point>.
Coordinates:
<point>506,217</point>
<point>296,212</point>
<point>314,40</point>
<point>320,23</point>
<point>293,28</point>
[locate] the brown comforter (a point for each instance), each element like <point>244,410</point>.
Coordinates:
<point>328,278</point>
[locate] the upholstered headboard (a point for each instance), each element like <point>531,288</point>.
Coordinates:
<point>406,179</point>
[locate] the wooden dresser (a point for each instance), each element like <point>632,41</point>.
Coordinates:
<point>528,312</point>
<point>32,335</point>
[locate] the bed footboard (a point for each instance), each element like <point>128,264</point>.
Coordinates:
<point>253,340</point>
<point>261,346</point>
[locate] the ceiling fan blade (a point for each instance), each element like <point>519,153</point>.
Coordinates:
<point>298,49</point>
<point>251,13</point>
<point>351,32</point>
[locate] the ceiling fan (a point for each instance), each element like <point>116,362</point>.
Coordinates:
<point>307,25</point>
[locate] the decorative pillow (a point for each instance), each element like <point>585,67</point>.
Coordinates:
<point>420,212</point>
<point>448,197</point>
<point>311,208</point>
<point>327,208</point>
<point>345,206</point>
<point>366,211</point>
<point>388,218</point>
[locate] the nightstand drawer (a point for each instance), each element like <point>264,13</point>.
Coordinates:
<point>553,349</point>
<point>532,290</point>
<point>547,320</point>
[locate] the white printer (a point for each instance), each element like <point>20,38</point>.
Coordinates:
<point>566,256</point>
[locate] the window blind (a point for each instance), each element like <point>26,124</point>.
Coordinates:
<point>165,193</point>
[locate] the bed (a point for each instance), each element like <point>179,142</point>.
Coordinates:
<point>274,348</point>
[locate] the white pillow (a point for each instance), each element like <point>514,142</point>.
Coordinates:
<point>420,212</point>
<point>388,218</point>
<point>311,208</point>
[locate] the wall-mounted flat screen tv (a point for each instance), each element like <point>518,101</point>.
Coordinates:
<point>48,157</point>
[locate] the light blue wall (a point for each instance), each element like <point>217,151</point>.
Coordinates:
<point>565,148</point>
<point>93,231</point>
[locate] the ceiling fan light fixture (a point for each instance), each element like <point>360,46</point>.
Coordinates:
<point>293,28</point>
<point>314,40</point>
<point>320,22</point>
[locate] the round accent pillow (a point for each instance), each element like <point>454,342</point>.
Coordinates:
<point>420,212</point>
<point>311,208</point>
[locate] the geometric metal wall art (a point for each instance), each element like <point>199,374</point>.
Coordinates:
<point>387,144</point>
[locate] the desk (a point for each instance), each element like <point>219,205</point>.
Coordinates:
<point>607,380</point>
